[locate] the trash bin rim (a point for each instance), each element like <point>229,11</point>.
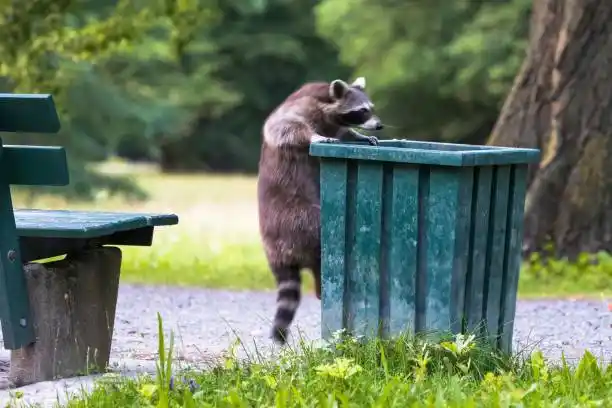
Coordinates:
<point>426,153</point>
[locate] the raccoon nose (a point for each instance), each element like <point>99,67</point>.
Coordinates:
<point>379,126</point>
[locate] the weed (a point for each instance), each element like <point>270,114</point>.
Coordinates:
<point>455,371</point>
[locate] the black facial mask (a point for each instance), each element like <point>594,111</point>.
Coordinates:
<point>354,118</point>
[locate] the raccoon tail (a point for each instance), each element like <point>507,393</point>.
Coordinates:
<point>289,293</point>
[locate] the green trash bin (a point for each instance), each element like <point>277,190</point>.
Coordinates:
<point>420,236</point>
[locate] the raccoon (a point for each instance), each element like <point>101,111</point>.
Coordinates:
<point>288,181</point>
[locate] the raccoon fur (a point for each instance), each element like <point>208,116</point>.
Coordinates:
<point>288,181</point>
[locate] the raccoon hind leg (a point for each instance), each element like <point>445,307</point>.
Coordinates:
<point>289,294</point>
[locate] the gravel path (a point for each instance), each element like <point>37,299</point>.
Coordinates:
<point>206,322</point>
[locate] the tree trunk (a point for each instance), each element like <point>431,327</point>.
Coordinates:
<point>561,103</point>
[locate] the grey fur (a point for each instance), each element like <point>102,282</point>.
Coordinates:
<point>288,183</point>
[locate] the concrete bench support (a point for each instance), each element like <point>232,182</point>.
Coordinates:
<point>73,303</point>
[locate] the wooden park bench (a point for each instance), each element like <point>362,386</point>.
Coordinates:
<point>57,317</point>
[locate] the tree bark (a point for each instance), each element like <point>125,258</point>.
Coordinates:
<point>561,103</point>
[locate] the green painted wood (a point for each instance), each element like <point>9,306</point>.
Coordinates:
<point>364,275</point>
<point>420,306</point>
<point>461,258</point>
<point>475,284</point>
<point>333,251</point>
<point>28,113</point>
<point>37,248</point>
<point>439,226</point>
<point>35,165</point>
<point>405,151</point>
<point>496,248</point>
<point>17,330</point>
<point>446,227</point>
<point>512,264</point>
<point>399,243</point>
<point>83,224</point>
<point>420,247</point>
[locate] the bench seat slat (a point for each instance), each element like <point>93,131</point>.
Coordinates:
<point>84,224</point>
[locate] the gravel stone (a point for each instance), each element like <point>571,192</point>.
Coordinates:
<point>206,322</point>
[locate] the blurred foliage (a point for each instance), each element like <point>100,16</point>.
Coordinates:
<point>53,46</point>
<point>188,83</point>
<point>263,53</point>
<point>437,70</point>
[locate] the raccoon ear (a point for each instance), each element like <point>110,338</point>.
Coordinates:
<point>338,88</point>
<point>359,83</point>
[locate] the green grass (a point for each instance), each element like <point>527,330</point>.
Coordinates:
<point>216,243</point>
<point>404,372</point>
<point>206,264</point>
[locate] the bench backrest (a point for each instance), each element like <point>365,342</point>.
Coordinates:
<point>28,113</point>
<point>31,165</point>
<point>23,165</point>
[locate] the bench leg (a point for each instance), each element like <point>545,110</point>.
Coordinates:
<point>15,314</point>
<point>73,303</point>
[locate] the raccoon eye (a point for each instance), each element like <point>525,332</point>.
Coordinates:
<point>364,110</point>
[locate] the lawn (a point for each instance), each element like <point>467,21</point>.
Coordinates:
<point>458,371</point>
<point>216,243</point>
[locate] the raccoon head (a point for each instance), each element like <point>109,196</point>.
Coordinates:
<point>353,107</point>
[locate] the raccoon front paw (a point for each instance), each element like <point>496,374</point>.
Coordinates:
<point>372,140</point>
<point>322,139</point>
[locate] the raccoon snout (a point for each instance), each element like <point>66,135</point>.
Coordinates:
<point>372,124</point>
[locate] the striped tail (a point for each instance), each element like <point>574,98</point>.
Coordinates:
<point>289,293</point>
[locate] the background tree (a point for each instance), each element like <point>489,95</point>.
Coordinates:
<point>437,70</point>
<point>187,84</point>
<point>50,46</point>
<point>264,50</point>
<point>561,102</point>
